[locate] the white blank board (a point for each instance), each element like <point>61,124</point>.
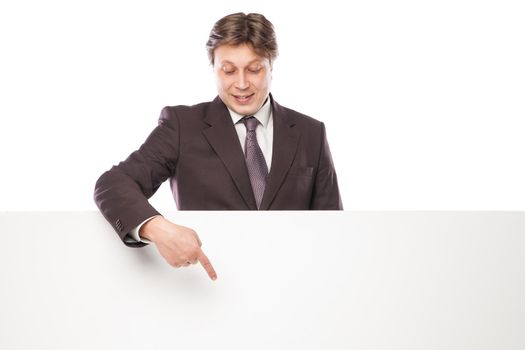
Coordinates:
<point>286,280</point>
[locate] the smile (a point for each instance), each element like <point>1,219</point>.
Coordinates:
<point>243,99</point>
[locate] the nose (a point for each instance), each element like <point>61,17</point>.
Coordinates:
<point>242,83</point>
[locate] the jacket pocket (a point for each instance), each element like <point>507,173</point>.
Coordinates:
<point>301,171</point>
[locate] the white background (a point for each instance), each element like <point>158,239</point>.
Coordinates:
<point>423,101</point>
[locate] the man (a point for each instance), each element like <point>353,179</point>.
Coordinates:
<point>241,151</point>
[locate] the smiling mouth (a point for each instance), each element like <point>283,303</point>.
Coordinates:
<point>243,98</point>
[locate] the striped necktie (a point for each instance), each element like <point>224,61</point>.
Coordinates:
<point>255,162</point>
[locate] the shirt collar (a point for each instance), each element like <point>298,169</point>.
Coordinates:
<point>262,115</point>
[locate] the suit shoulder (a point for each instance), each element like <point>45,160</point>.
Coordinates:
<point>183,111</point>
<point>302,119</point>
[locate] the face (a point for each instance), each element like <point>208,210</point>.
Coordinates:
<point>243,78</point>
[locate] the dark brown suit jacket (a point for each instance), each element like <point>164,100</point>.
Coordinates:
<point>198,149</point>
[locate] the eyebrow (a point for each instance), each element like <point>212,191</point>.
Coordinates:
<point>233,64</point>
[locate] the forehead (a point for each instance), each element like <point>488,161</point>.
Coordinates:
<point>238,55</point>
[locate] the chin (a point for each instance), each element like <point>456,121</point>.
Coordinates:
<point>242,109</point>
<point>245,110</point>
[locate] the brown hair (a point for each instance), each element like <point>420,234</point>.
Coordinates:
<point>240,28</point>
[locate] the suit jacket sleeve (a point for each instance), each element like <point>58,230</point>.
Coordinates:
<point>326,190</point>
<point>122,192</point>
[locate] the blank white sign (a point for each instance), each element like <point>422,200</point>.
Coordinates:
<point>286,280</point>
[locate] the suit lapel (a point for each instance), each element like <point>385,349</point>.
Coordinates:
<point>285,141</point>
<point>222,137</point>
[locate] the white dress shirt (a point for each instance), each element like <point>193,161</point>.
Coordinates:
<point>264,133</point>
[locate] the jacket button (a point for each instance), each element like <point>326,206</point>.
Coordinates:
<point>119,224</point>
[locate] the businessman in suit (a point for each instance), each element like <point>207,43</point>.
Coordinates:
<point>241,151</point>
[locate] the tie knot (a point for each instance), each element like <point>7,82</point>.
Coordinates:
<point>250,122</point>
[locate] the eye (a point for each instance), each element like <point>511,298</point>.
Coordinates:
<point>254,70</point>
<point>228,70</point>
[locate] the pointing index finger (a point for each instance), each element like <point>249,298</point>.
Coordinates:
<point>205,262</point>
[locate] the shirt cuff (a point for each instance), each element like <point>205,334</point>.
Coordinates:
<point>134,233</point>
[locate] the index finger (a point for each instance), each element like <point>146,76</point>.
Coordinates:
<point>205,262</point>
